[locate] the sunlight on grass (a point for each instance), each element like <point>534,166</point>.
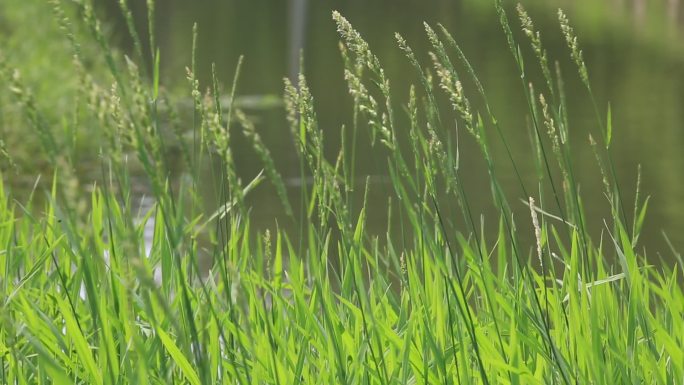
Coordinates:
<point>89,297</point>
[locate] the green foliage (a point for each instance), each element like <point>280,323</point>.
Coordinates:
<point>89,298</point>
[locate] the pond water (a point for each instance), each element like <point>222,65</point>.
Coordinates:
<point>634,52</point>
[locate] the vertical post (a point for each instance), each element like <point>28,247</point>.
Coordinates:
<point>297,31</point>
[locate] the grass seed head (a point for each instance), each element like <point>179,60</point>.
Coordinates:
<point>575,51</point>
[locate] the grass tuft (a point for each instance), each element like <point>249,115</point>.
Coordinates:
<point>97,288</point>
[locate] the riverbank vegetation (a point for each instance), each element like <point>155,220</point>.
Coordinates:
<point>99,289</point>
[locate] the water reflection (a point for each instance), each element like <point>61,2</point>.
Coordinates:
<point>633,49</point>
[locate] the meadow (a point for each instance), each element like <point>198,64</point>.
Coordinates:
<point>90,297</point>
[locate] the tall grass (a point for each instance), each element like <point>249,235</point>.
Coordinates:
<point>88,298</point>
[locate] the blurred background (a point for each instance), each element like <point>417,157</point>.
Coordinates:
<point>634,50</point>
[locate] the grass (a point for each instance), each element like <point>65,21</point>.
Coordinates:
<point>87,298</point>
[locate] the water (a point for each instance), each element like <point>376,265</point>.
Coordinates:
<point>634,52</point>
